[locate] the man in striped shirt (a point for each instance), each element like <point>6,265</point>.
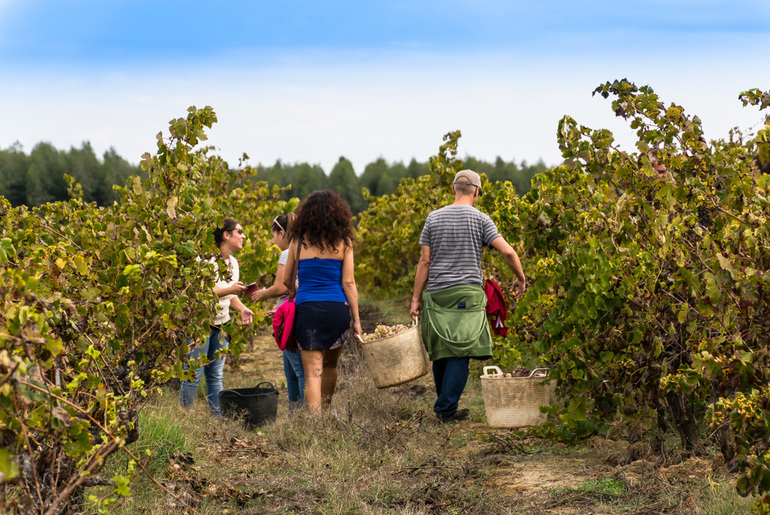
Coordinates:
<point>454,325</point>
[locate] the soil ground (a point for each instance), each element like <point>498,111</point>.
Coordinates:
<point>530,475</point>
<point>383,451</point>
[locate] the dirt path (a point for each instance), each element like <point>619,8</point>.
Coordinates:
<point>262,362</point>
<point>382,451</point>
<point>525,474</point>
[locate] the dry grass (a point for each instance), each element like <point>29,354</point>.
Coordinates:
<point>383,451</point>
<point>374,451</point>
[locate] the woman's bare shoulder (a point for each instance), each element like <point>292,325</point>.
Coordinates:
<point>338,251</point>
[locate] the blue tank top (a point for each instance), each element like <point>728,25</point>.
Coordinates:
<point>320,279</point>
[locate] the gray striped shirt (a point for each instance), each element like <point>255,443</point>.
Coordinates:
<point>456,236</point>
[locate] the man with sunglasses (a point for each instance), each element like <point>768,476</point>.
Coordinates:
<point>454,324</point>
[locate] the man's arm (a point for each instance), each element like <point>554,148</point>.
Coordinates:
<point>514,263</point>
<point>420,279</point>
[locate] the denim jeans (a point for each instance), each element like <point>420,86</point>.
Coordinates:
<point>214,371</point>
<point>450,376</point>
<point>295,378</point>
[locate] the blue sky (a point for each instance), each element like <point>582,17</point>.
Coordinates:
<point>311,81</point>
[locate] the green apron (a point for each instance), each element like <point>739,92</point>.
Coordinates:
<point>454,323</point>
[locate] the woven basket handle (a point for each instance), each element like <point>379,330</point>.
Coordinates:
<point>495,369</point>
<point>546,370</point>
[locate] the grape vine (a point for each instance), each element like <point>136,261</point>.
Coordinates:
<point>98,303</point>
<point>649,292</point>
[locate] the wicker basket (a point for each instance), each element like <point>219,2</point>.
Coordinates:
<point>514,401</point>
<point>396,359</point>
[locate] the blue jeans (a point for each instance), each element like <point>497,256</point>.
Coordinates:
<point>214,371</point>
<point>295,378</point>
<point>450,376</point>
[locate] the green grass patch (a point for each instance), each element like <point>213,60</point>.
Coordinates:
<point>163,435</point>
<point>719,497</point>
<point>603,486</point>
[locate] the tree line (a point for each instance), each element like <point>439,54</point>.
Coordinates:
<point>381,178</point>
<point>37,178</point>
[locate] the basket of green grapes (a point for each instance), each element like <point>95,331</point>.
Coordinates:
<point>394,354</point>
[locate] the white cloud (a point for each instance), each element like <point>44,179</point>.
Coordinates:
<point>395,108</point>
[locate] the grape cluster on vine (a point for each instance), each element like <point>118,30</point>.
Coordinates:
<point>704,216</point>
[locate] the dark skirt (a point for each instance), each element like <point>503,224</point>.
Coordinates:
<point>320,325</point>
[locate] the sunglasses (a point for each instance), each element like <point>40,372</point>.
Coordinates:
<point>275,221</point>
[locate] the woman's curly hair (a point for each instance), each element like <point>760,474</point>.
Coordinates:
<point>322,220</point>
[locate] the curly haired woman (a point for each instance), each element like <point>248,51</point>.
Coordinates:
<point>327,298</point>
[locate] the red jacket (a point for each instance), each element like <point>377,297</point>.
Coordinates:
<point>283,324</point>
<point>497,307</point>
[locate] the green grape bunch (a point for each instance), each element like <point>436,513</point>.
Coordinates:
<point>383,331</point>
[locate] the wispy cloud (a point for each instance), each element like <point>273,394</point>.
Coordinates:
<point>397,108</point>
<point>310,81</point>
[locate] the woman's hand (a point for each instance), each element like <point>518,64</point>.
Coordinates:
<point>357,327</point>
<point>258,295</point>
<point>236,288</point>
<point>246,315</point>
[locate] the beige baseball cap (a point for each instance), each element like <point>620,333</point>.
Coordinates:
<point>469,177</point>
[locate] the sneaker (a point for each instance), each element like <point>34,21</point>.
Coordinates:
<point>458,415</point>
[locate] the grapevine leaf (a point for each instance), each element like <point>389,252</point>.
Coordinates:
<point>8,468</point>
<point>80,264</point>
<point>6,250</point>
<point>725,264</point>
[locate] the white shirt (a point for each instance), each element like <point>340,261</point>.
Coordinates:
<point>223,313</point>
